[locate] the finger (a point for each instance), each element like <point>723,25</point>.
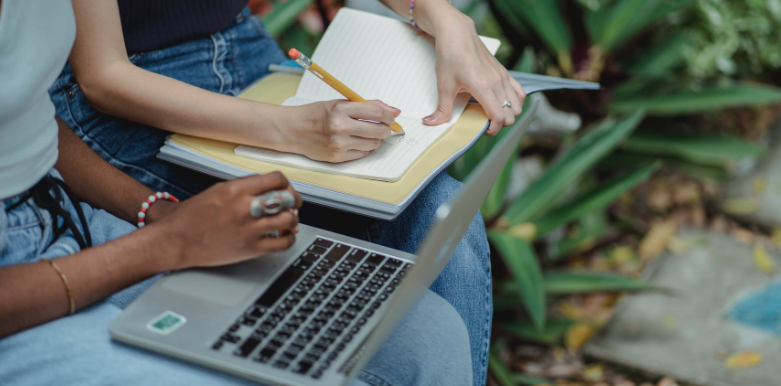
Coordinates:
<point>352,155</point>
<point>275,244</point>
<point>284,221</point>
<point>370,112</point>
<point>367,130</point>
<point>509,116</point>
<point>396,112</point>
<point>258,184</point>
<point>519,92</point>
<point>512,96</point>
<point>363,144</point>
<point>447,97</point>
<point>296,196</point>
<point>493,109</point>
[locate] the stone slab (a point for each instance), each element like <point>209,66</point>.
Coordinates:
<point>688,333</point>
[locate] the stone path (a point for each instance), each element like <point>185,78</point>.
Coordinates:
<point>720,304</point>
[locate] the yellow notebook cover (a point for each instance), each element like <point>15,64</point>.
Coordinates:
<point>275,88</point>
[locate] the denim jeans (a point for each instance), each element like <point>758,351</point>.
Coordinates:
<point>226,63</point>
<point>78,350</point>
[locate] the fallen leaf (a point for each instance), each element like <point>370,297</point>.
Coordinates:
<point>655,241</point>
<point>526,231</point>
<point>621,254</point>
<point>678,245</point>
<point>759,185</point>
<point>577,335</point>
<point>762,260</point>
<point>740,206</point>
<point>743,360</point>
<point>593,373</point>
<point>659,199</point>
<point>502,223</point>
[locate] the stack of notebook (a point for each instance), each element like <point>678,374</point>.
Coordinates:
<point>379,58</point>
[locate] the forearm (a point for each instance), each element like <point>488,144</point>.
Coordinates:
<point>100,184</point>
<point>34,293</point>
<point>124,90</point>
<point>432,16</point>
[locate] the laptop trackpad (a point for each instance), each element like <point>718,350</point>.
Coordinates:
<point>228,286</point>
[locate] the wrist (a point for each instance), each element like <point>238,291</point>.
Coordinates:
<point>436,17</point>
<point>160,210</point>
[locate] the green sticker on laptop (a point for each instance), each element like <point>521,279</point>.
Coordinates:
<point>166,323</point>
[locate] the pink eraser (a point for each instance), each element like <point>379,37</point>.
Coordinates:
<point>294,54</point>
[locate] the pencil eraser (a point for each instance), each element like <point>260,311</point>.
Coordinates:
<point>294,54</point>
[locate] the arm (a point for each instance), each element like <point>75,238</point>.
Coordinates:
<point>100,184</point>
<point>34,293</point>
<point>326,131</point>
<point>464,64</point>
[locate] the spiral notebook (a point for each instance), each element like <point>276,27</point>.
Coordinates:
<point>379,58</point>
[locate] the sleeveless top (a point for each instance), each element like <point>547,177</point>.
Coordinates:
<point>150,25</point>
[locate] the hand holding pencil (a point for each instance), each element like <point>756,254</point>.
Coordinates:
<point>337,85</point>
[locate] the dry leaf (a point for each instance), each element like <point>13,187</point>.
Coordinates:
<point>655,241</point>
<point>740,206</point>
<point>759,185</point>
<point>593,373</point>
<point>743,360</point>
<point>762,260</point>
<point>526,231</point>
<point>502,223</point>
<point>659,199</point>
<point>577,335</point>
<point>621,254</point>
<point>678,245</point>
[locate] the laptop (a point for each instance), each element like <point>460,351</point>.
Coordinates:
<point>312,315</point>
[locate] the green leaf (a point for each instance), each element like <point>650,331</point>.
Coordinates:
<point>526,64</point>
<point>554,330</point>
<point>495,199</point>
<point>283,15</point>
<point>559,176</point>
<point>525,268</point>
<point>624,19</point>
<point>499,370</point>
<point>573,282</point>
<point>709,99</point>
<point>595,199</point>
<point>547,20</point>
<point>620,160</point>
<point>664,57</point>
<point>706,149</point>
<point>530,380</point>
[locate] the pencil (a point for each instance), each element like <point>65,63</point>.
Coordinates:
<point>329,79</point>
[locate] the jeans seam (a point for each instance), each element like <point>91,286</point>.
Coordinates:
<point>373,379</point>
<point>73,123</point>
<point>489,317</point>
<point>215,59</point>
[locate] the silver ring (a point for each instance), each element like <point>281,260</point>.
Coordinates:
<point>271,203</point>
<point>507,104</point>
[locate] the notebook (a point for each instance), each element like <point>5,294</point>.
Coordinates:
<point>379,58</point>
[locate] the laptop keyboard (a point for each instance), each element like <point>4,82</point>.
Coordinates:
<point>310,313</point>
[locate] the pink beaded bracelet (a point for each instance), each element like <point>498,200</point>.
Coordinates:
<point>151,200</point>
<point>411,15</point>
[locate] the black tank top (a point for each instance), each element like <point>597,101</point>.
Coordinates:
<point>150,25</point>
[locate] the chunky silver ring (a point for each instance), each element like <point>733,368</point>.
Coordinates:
<point>507,104</point>
<point>271,203</point>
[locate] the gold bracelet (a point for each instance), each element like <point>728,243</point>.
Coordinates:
<point>67,286</point>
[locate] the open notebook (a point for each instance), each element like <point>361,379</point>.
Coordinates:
<point>379,58</point>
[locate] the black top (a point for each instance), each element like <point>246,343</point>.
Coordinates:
<point>150,25</point>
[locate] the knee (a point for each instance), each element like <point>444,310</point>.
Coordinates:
<point>430,347</point>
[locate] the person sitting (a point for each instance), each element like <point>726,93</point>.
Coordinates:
<point>143,69</point>
<point>67,267</point>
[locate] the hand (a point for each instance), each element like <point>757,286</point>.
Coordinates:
<point>215,227</point>
<point>160,210</point>
<point>465,65</point>
<point>339,130</point>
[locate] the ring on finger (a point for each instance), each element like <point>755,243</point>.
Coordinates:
<point>271,203</point>
<point>507,104</point>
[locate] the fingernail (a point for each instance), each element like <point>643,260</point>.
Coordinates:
<point>429,118</point>
<point>395,108</point>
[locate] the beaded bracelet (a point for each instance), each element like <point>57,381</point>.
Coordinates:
<point>151,200</point>
<point>411,15</point>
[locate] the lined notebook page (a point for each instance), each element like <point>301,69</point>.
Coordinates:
<point>379,58</point>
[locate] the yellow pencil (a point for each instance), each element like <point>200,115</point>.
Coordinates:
<point>329,79</point>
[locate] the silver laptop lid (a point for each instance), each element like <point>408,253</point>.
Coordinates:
<point>452,220</point>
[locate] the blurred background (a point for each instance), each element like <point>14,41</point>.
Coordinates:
<point>635,238</point>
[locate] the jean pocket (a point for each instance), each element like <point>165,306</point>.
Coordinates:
<point>71,105</point>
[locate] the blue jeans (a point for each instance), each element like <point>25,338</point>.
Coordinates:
<point>78,350</point>
<point>226,63</point>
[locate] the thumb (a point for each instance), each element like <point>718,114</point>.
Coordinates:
<point>447,98</point>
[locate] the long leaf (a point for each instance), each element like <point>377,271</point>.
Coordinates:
<point>499,370</point>
<point>620,160</point>
<point>547,20</point>
<point>585,153</point>
<point>626,18</point>
<point>283,15</point>
<point>522,261</point>
<point>569,282</point>
<point>595,199</point>
<point>664,57</point>
<point>554,330</point>
<point>710,99</point>
<point>706,149</point>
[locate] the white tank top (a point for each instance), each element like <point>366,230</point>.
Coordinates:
<point>36,37</point>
